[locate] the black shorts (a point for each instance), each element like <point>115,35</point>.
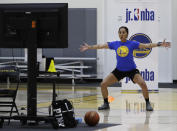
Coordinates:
<point>121,74</point>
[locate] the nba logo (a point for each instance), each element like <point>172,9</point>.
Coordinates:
<point>136,14</point>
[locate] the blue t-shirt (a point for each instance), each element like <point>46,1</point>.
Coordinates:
<point>124,54</point>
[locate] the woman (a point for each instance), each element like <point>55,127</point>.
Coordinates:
<point>126,66</point>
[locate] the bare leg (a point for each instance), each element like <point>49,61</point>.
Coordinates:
<point>140,81</point>
<point>109,80</point>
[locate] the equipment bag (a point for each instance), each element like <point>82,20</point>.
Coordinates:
<point>63,113</point>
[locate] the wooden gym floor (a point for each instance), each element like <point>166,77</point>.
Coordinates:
<point>127,111</point>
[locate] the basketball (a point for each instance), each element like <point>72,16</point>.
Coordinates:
<point>92,118</point>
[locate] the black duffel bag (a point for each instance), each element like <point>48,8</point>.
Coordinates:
<point>63,113</point>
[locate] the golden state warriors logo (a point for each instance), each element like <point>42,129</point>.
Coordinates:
<point>122,51</point>
<point>142,38</point>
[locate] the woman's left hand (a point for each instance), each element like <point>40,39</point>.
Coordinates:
<point>166,44</point>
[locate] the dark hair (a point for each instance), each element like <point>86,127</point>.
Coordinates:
<point>126,29</point>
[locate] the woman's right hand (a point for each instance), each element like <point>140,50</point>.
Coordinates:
<point>84,47</point>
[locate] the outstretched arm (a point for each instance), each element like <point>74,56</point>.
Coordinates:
<point>152,45</point>
<point>87,47</point>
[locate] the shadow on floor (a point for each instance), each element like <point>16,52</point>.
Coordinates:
<point>16,126</point>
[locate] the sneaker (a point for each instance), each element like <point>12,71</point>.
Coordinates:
<point>149,107</point>
<point>105,106</point>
